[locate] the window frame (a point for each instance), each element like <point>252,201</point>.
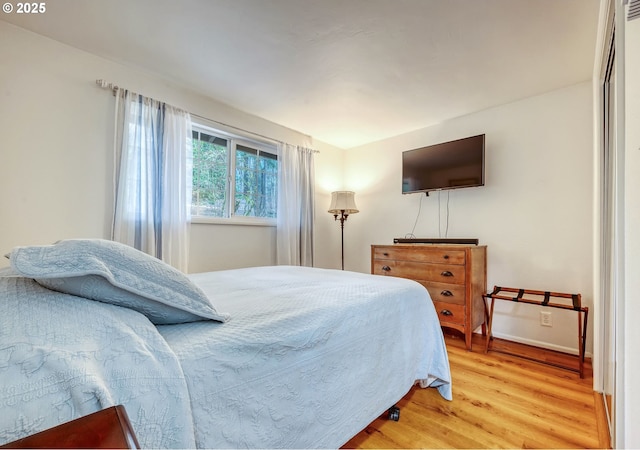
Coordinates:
<point>233,140</point>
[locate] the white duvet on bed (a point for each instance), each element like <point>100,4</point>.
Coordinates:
<point>309,358</point>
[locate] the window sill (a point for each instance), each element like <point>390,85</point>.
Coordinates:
<point>236,220</point>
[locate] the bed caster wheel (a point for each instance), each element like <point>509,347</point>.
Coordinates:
<point>394,413</point>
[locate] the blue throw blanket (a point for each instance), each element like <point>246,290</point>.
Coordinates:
<point>62,357</point>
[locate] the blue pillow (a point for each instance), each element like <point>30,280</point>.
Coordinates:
<point>115,273</point>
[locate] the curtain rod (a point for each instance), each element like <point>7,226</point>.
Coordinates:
<point>104,85</point>
<point>114,88</point>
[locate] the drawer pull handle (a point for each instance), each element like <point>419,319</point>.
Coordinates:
<point>446,256</point>
<point>385,254</point>
<point>446,312</point>
<point>446,293</point>
<point>446,273</point>
<point>386,268</point>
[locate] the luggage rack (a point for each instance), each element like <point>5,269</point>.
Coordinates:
<point>541,298</point>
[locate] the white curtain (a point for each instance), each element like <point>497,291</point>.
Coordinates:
<point>296,206</point>
<point>153,161</point>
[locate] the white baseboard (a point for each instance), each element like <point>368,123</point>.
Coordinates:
<point>540,344</point>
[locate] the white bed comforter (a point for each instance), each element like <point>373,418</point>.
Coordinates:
<point>309,358</point>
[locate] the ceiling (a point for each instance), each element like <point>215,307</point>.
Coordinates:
<point>346,72</point>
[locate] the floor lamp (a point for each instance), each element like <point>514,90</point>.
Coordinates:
<point>342,204</point>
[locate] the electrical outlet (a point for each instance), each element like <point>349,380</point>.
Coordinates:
<point>545,319</point>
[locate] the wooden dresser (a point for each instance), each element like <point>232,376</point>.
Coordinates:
<point>454,275</point>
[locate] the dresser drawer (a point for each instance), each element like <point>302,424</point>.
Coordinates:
<point>446,293</point>
<point>450,313</point>
<point>443,273</point>
<point>418,254</point>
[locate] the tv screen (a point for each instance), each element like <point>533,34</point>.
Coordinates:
<point>449,165</point>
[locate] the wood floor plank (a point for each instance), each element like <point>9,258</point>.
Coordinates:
<point>602,420</point>
<point>518,396</point>
<point>499,401</point>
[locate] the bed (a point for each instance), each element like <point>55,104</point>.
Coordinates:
<point>264,357</point>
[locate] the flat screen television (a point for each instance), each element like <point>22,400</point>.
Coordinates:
<point>449,165</point>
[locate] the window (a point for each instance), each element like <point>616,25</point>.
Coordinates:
<point>233,177</point>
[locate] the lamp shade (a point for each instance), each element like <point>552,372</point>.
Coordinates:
<point>343,201</point>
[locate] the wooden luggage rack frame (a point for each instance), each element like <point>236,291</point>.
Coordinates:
<point>502,293</point>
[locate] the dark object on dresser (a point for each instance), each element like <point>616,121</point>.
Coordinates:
<point>463,241</point>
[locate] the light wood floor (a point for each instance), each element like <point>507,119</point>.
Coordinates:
<point>499,401</point>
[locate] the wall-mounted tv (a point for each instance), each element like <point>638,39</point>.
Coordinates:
<point>449,165</point>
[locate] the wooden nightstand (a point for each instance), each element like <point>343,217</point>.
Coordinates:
<point>109,428</point>
<point>454,275</point>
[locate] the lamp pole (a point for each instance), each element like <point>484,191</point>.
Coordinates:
<point>343,218</point>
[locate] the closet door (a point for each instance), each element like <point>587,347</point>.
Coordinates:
<point>611,243</point>
<point>608,244</point>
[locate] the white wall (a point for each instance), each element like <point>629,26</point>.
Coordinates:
<point>329,177</point>
<point>534,212</point>
<point>631,363</point>
<point>56,140</point>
